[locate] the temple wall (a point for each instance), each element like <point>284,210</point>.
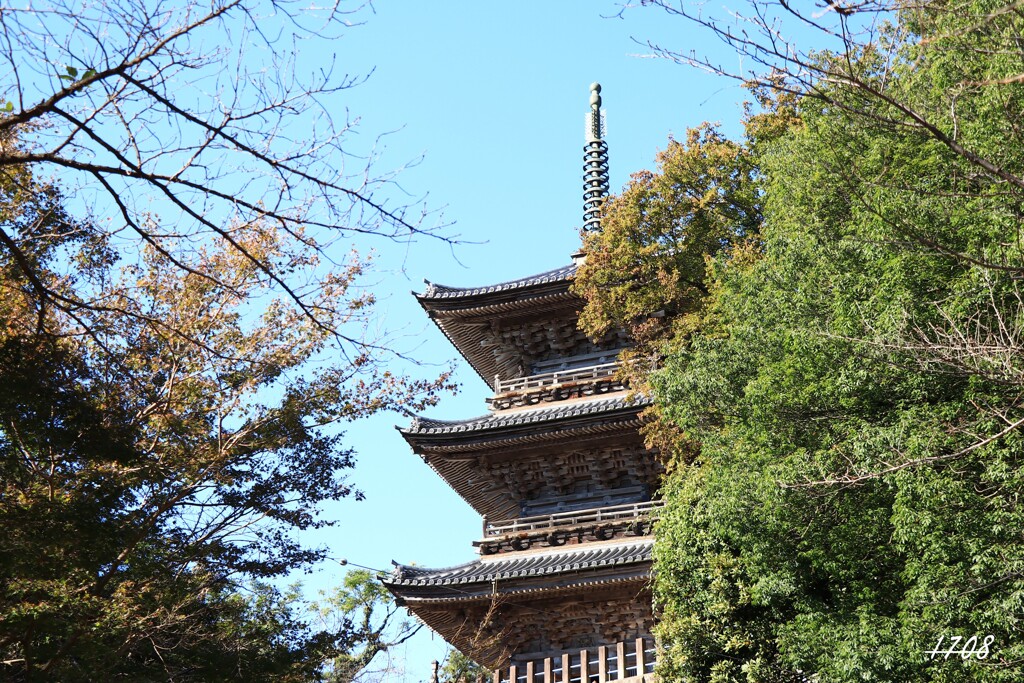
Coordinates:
<point>492,632</point>
<point>567,471</point>
<point>537,341</point>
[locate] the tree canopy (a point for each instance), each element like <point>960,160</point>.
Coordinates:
<point>181,346</point>
<point>367,609</point>
<point>175,124</point>
<point>848,388</point>
<point>153,468</point>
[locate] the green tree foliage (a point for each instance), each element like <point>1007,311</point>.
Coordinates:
<point>180,351</point>
<point>646,269</point>
<point>458,668</point>
<point>158,462</point>
<point>852,389</point>
<point>363,605</point>
<point>650,252</point>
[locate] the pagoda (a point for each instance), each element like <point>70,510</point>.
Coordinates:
<point>559,474</point>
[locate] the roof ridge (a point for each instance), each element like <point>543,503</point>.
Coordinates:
<point>439,291</point>
<point>400,570</point>
<point>421,425</point>
<point>516,565</point>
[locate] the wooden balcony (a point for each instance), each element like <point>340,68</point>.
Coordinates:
<point>612,513</point>
<point>627,662</point>
<point>551,379</point>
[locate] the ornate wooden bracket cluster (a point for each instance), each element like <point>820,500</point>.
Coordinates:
<point>561,392</point>
<point>560,537</point>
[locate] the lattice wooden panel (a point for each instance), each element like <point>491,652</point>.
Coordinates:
<point>564,472</point>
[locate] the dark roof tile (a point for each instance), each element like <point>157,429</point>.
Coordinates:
<point>424,425</point>
<point>436,291</point>
<point>518,565</point>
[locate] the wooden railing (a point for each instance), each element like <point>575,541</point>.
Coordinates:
<point>573,518</point>
<point>554,378</point>
<point>627,662</point>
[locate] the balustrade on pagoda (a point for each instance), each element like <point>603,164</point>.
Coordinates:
<point>625,662</point>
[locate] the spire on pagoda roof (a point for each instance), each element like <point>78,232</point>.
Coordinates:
<point>595,163</point>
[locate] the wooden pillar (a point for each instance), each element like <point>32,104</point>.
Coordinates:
<point>513,674</point>
<point>640,657</point>
<point>620,658</point>
<point>566,663</point>
<point>584,666</point>
<point>602,664</point>
<point>529,672</point>
<point>548,677</point>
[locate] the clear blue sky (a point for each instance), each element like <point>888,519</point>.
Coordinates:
<point>493,97</point>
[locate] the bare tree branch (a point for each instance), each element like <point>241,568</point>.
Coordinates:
<point>132,100</point>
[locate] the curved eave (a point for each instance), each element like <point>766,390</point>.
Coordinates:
<point>437,292</point>
<point>463,314</point>
<point>426,430</point>
<point>460,617</point>
<point>583,583</point>
<point>521,574</point>
<point>451,448</point>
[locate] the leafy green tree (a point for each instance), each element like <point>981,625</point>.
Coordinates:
<point>153,467</point>
<point>369,611</point>
<point>458,668</point>
<point>650,252</point>
<point>646,269</point>
<point>850,390</point>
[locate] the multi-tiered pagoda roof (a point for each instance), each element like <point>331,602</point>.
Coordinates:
<point>561,476</point>
<point>558,471</point>
<point>569,569</point>
<point>496,461</point>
